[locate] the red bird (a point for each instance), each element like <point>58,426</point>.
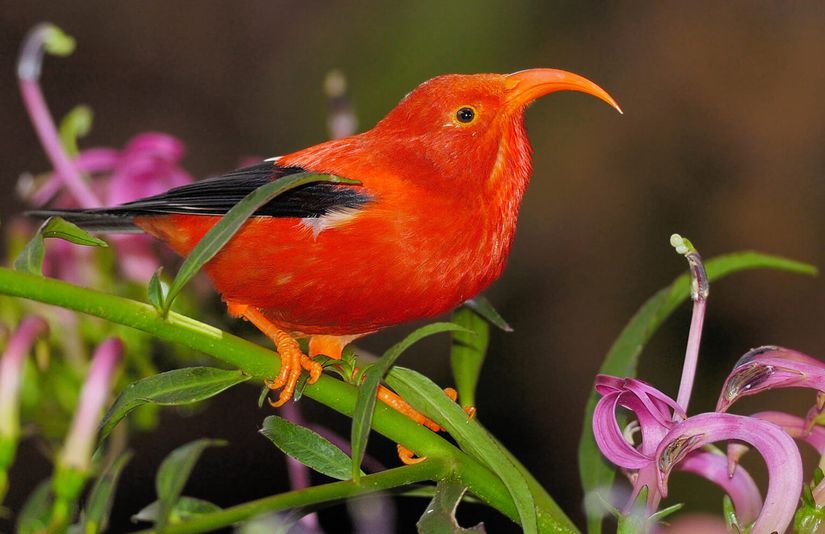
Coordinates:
<point>428,226</point>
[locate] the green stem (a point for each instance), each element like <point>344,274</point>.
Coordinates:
<point>431,469</point>
<point>260,362</point>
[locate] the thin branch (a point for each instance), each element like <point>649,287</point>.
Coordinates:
<point>259,362</point>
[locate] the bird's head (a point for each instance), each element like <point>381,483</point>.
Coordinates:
<point>460,121</point>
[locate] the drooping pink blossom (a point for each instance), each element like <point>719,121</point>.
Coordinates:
<point>79,445</point>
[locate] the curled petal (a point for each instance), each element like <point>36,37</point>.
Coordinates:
<point>797,427</point>
<point>776,447</point>
<point>609,436</point>
<point>740,486</point>
<point>770,367</point>
<point>654,414</point>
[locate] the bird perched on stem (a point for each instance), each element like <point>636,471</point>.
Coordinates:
<point>428,225</point>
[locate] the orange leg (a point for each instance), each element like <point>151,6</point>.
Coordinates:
<point>292,359</point>
<point>406,455</point>
<point>332,346</point>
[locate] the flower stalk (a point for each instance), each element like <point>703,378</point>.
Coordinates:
<point>48,38</point>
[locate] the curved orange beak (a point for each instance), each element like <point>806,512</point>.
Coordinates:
<point>527,85</point>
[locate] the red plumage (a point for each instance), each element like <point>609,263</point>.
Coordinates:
<point>441,178</point>
<point>446,198</point>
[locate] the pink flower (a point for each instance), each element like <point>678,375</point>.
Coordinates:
<point>669,439</point>
<point>149,164</point>
<point>80,441</point>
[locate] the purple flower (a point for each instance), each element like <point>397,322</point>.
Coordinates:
<point>776,447</point>
<point>668,439</point>
<point>655,413</point>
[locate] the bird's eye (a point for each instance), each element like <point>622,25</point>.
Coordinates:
<point>465,115</point>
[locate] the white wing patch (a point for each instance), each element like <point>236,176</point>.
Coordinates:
<point>330,220</point>
<point>273,159</point>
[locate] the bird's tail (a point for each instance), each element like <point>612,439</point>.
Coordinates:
<point>100,220</point>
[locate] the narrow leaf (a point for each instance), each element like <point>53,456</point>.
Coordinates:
<point>220,234</point>
<point>173,474</point>
<point>482,306</point>
<point>30,259</point>
<point>439,517</point>
<point>34,516</point>
<point>467,353</point>
<point>99,503</point>
<point>431,401</point>
<point>158,290</point>
<point>185,508</point>
<point>623,356</point>
<point>56,227</point>
<point>172,388</point>
<point>365,404</point>
<point>309,448</point>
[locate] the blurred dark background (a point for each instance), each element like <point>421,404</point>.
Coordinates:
<point>722,141</point>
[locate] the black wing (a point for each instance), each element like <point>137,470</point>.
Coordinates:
<point>216,196</point>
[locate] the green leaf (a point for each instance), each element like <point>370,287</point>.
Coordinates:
<point>185,508</point>
<point>30,259</point>
<point>172,388</point>
<point>439,517</point>
<point>99,503</point>
<point>430,400</point>
<point>482,306</point>
<point>173,474</point>
<point>467,353</point>
<point>365,404</point>
<point>220,234</point>
<point>158,290</point>
<point>623,357</point>
<point>307,447</point>
<point>34,516</point>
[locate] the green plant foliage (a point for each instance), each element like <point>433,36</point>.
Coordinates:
<point>34,516</point>
<point>482,306</point>
<point>99,503</point>
<point>184,508</point>
<point>220,234</point>
<point>309,448</point>
<point>172,388</point>
<point>623,356</point>
<point>439,517</point>
<point>158,290</point>
<point>173,474</point>
<point>30,259</point>
<point>365,405</point>
<point>259,362</point>
<point>467,353</point>
<point>428,398</point>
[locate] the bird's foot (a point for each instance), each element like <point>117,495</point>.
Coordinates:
<point>293,360</point>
